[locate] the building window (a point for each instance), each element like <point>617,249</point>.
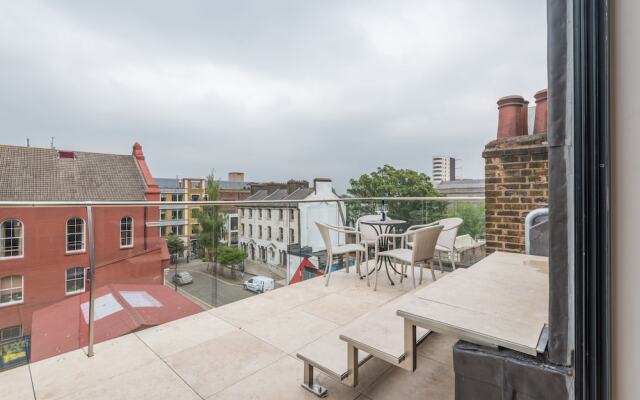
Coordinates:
<point>269,233</point>
<point>163,215</point>
<point>260,214</point>
<point>292,236</point>
<point>11,289</point>
<point>269,214</point>
<point>280,234</point>
<point>194,229</point>
<point>195,184</point>
<point>11,238</point>
<point>74,280</point>
<point>242,229</point>
<point>163,197</point>
<point>241,212</point>
<point>75,235</point>
<point>177,214</point>
<point>126,232</point>
<point>251,213</point>
<point>260,232</point>
<point>250,230</point>
<point>292,215</point>
<point>195,197</point>
<point>11,332</point>
<point>280,215</point>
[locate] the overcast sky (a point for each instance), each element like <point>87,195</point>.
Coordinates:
<point>277,89</point>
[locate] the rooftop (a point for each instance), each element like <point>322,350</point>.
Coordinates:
<point>243,350</point>
<point>38,174</point>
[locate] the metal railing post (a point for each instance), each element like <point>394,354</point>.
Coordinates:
<point>92,280</point>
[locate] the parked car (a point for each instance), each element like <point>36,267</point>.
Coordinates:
<point>182,278</point>
<point>259,284</point>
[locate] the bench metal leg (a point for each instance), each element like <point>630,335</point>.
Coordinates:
<point>410,361</point>
<point>352,362</point>
<point>308,382</point>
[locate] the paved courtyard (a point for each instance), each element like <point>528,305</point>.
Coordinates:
<point>244,350</point>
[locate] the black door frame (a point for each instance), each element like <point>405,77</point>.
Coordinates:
<point>592,208</point>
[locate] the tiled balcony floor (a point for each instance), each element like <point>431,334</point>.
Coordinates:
<point>244,350</point>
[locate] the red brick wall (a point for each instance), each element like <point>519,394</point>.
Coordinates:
<point>45,260</point>
<point>516,182</point>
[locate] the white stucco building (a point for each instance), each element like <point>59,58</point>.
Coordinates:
<point>269,232</point>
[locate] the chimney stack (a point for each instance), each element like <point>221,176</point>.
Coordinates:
<point>540,123</point>
<point>236,176</point>
<point>510,110</point>
<point>323,186</point>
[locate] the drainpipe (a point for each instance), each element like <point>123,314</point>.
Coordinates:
<point>528,224</point>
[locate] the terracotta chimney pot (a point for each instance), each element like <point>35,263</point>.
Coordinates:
<point>540,123</point>
<point>510,116</point>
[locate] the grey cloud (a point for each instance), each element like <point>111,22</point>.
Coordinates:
<point>277,89</point>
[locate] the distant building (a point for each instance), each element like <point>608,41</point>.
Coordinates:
<point>444,169</point>
<point>462,188</point>
<point>173,218</point>
<point>276,233</point>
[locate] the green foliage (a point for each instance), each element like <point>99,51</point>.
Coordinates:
<point>473,216</point>
<point>211,220</point>
<point>388,181</point>
<point>175,244</point>
<point>228,255</point>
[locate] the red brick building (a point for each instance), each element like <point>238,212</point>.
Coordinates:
<point>44,251</point>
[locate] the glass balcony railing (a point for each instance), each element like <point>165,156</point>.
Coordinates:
<point>77,274</point>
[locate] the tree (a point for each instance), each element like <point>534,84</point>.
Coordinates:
<point>228,255</point>
<point>473,216</point>
<point>388,181</point>
<point>211,220</point>
<point>175,245</point>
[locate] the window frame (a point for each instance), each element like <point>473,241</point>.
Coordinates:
<point>128,246</point>
<point>84,236</point>
<point>84,281</point>
<point>21,255</point>
<point>12,302</point>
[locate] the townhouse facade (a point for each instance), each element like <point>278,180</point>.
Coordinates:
<point>44,251</point>
<point>269,232</point>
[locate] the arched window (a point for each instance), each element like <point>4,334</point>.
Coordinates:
<point>126,232</point>
<point>11,238</point>
<point>75,235</point>
<point>11,288</point>
<point>74,280</point>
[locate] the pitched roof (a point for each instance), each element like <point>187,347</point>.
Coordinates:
<point>36,174</point>
<point>280,194</point>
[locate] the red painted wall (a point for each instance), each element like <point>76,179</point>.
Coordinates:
<point>45,259</point>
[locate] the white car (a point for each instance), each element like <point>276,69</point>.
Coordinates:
<point>259,284</point>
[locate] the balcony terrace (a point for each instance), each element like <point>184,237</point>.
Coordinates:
<point>246,349</point>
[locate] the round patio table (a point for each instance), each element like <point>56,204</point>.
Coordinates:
<point>380,227</point>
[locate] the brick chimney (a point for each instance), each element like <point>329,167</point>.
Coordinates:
<point>236,176</point>
<point>293,185</point>
<point>525,117</point>
<point>510,116</point>
<point>516,174</point>
<point>540,123</point>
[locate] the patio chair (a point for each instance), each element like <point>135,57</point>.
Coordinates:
<point>369,234</point>
<point>357,248</point>
<point>421,252</point>
<point>447,240</point>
